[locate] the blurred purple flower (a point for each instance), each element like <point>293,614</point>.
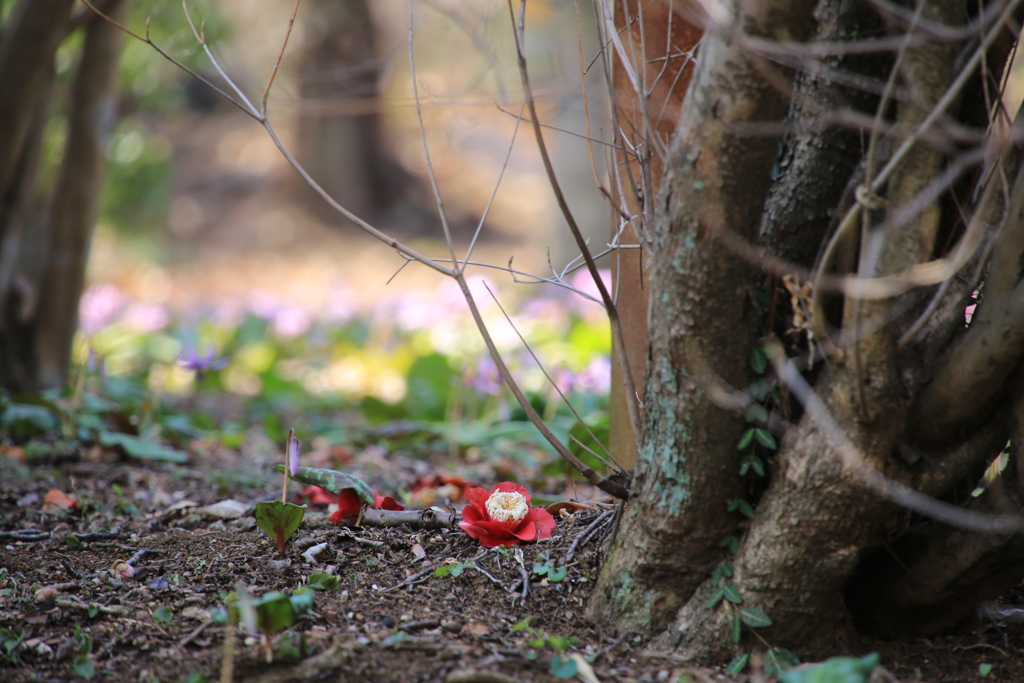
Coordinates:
<point>564,379</point>
<point>342,305</point>
<point>582,281</point>
<point>263,304</point>
<point>292,322</point>
<point>597,377</point>
<point>98,306</point>
<point>201,364</point>
<point>485,378</point>
<point>146,317</point>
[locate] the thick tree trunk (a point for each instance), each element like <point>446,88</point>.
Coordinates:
<point>924,410</point>
<point>341,131</point>
<point>43,253</point>
<point>932,578</point>
<point>75,200</point>
<point>715,180</point>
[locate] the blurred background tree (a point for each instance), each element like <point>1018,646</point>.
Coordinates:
<point>59,73</point>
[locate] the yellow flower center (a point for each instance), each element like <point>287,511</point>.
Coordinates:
<point>507,506</point>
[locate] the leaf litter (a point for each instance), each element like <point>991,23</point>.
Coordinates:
<point>135,582</point>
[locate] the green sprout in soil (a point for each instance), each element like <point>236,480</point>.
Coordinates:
<point>279,518</point>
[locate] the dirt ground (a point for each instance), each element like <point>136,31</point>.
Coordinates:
<point>389,619</point>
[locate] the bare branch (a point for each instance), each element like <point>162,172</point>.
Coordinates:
<point>581,243</point>
<point>875,480</point>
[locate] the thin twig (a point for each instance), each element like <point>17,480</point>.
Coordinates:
<point>617,467</point>
<point>613,314</point>
<point>442,214</point>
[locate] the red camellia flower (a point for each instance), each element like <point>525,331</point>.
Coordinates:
<point>349,504</point>
<point>504,516</point>
<point>316,495</point>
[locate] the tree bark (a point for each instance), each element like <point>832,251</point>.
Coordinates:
<point>716,179</point>
<point>30,38</point>
<point>932,579</point>
<point>44,252</point>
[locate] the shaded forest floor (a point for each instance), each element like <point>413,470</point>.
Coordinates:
<point>390,617</point>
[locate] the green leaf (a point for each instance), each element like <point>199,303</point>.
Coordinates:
<point>834,670</point>
<point>557,575</point>
<point>739,504</point>
<point>743,506</point>
<point>732,594</point>
<point>778,659</point>
<point>755,617</point>
<point>563,667</point>
<point>744,467</point>
<point>332,480</point>
<point>302,600</point>
<point>558,643</point>
<point>23,421</point>
<point>722,571</point>
<point>274,612</point>
<point>765,439</point>
<point>442,571</point>
<point>322,581</point>
<point>758,465</point>
<point>279,520</point>
<point>163,614</point>
<point>715,598</point>
<point>541,568</point>
<point>758,360</point>
<point>730,542</point>
<point>83,666</point>
<point>745,439</point>
<point>736,630</point>
<point>457,569</point>
<point>134,447</point>
<point>984,669</point>
<point>738,664</point>
<point>756,413</point>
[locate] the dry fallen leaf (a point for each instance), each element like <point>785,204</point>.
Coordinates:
<point>418,551</point>
<point>476,629</point>
<point>55,498</point>
<point>565,508</point>
<point>225,509</point>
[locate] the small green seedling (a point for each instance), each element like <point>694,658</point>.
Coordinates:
<point>162,614</point>
<point>453,569</point>
<point>834,670</point>
<point>279,518</point>
<point>547,568</point>
<point>270,614</point>
<point>561,665</point>
<point>82,665</point>
<point>322,582</point>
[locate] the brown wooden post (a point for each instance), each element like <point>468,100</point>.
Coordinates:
<point>667,64</point>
